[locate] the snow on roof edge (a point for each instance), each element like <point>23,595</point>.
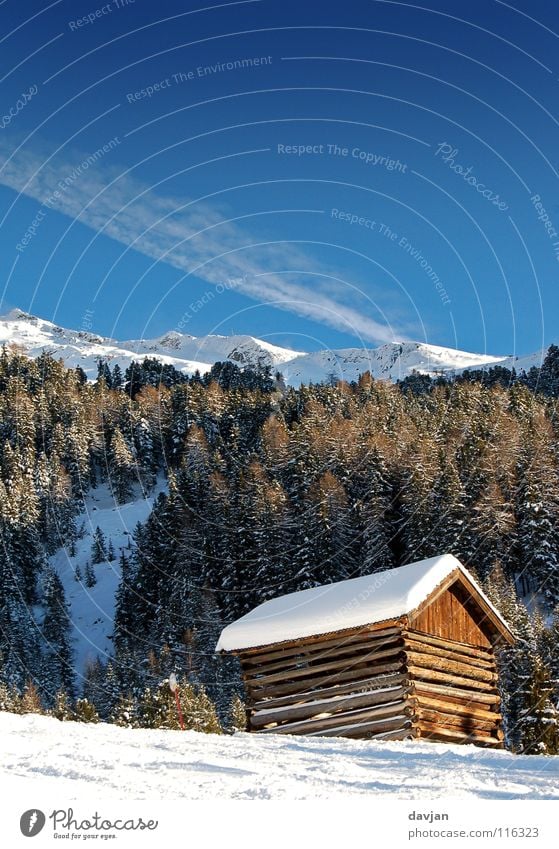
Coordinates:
<point>344,605</point>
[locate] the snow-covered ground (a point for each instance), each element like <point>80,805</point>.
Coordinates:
<point>103,761</point>
<point>92,609</point>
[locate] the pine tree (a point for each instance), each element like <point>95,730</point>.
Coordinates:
<point>104,374</point>
<point>199,713</point>
<point>538,515</point>
<point>145,452</point>
<point>85,711</point>
<point>124,603</point>
<point>9,698</point>
<point>117,378</point>
<point>30,700</point>
<point>101,686</point>
<point>548,644</point>
<point>89,577</point>
<point>516,662</point>
<point>417,539</point>
<point>238,719</point>
<point>540,717</point>
<point>548,382</point>
<point>493,527</point>
<point>370,492</point>
<point>125,713</point>
<point>61,708</point>
<point>121,467</point>
<point>19,645</point>
<point>98,547</point>
<point>57,668</point>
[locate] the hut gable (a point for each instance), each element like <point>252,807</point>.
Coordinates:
<point>456,611</point>
<point>402,654</point>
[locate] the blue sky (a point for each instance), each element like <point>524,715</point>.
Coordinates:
<point>316,175</point>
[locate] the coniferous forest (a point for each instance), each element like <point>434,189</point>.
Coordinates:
<point>269,489</point>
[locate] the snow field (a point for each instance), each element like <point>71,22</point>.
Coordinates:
<point>92,608</point>
<point>78,761</point>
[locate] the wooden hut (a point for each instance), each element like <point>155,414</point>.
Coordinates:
<point>405,653</point>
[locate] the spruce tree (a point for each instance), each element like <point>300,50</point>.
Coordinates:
<point>125,712</point>
<point>89,577</point>
<point>85,711</point>
<point>538,516</point>
<point>121,467</point>
<point>540,718</point>
<point>61,708</point>
<point>9,698</point>
<point>238,719</point>
<point>57,667</point>
<point>98,547</point>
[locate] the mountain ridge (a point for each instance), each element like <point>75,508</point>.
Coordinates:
<point>391,361</point>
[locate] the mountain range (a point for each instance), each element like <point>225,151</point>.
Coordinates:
<point>391,361</point>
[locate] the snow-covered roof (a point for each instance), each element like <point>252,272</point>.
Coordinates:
<point>346,604</point>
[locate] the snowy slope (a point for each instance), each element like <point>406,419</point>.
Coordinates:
<point>188,353</point>
<point>75,761</point>
<point>92,609</point>
<point>389,362</point>
<point>75,347</point>
<point>243,350</point>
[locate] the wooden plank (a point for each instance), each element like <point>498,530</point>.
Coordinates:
<point>422,674</point>
<point>381,713</point>
<point>471,603</point>
<point>406,733</point>
<point>450,645</point>
<point>340,703</point>
<point>459,709</point>
<point>393,730</point>
<point>433,732</point>
<point>451,617</point>
<point>318,638</point>
<point>426,648</point>
<point>430,661</point>
<point>298,661</point>
<point>369,659</point>
<point>317,655</point>
<point>384,682</point>
<point>431,728</point>
<point>303,647</point>
<point>461,694</point>
<point>501,630</point>
<point>259,693</point>
<point>462,721</point>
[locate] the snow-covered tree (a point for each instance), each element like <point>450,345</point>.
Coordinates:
<point>57,667</point>
<point>98,547</point>
<point>540,718</point>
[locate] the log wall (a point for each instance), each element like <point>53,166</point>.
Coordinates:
<point>454,689</point>
<point>351,686</point>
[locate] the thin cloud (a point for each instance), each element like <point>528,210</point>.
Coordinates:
<point>193,236</point>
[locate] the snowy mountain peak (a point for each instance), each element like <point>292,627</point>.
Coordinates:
<point>392,361</point>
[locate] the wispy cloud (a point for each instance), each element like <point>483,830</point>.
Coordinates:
<point>198,237</point>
